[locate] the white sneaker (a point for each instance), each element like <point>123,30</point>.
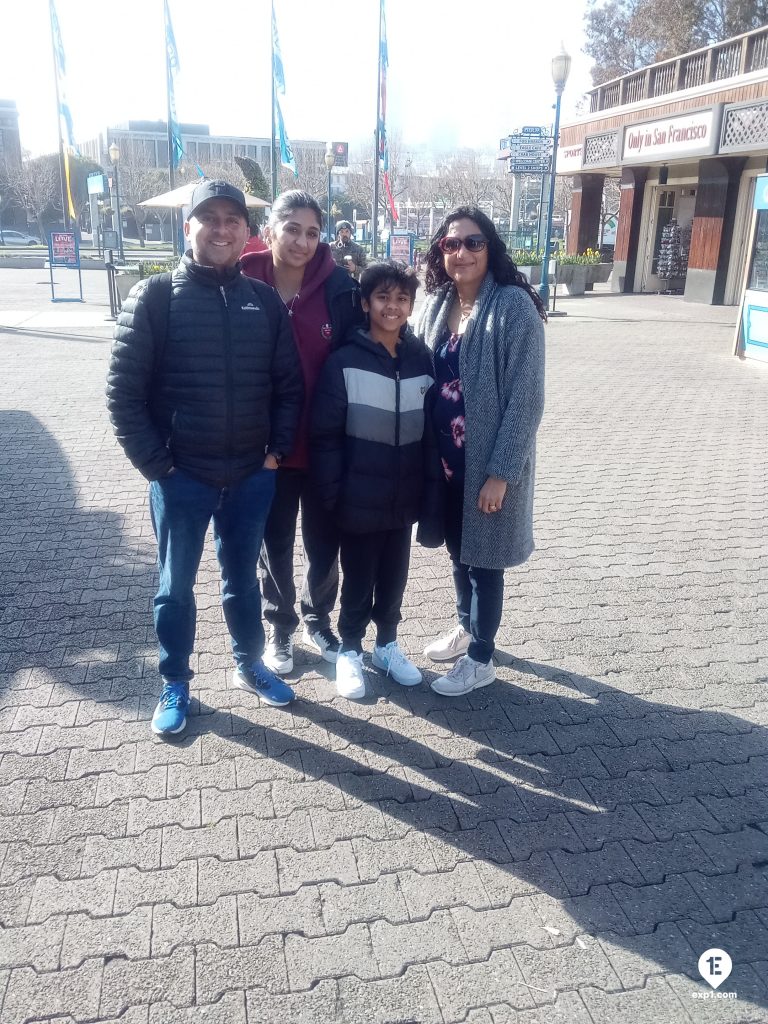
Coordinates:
<point>278,656</point>
<point>448,648</point>
<point>350,681</point>
<point>465,676</point>
<point>325,642</point>
<point>390,659</point>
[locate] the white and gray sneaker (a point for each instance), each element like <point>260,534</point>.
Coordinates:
<point>350,681</point>
<point>448,648</point>
<point>465,676</point>
<point>278,656</point>
<point>325,642</point>
<point>392,660</point>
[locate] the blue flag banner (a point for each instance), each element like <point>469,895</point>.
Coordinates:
<point>172,67</point>
<point>383,147</point>
<point>65,114</point>
<point>66,128</point>
<point>287,159</point>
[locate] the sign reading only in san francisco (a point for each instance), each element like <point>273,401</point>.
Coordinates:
<point>689,135</point>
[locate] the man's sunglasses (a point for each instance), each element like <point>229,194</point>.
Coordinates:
<point>472,243</point>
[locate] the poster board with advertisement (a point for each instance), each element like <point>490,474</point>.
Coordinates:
<point>64,251</point>
<point>400,247</point>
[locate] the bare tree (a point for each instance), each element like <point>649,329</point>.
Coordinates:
<point>35,184</point>
<point>609,204</point>
<point>313,174</point>
<point>139,180</point>
<point>230,172</point>
<point>360,177</point>
<point>563,199</point>
<point>422,198</point>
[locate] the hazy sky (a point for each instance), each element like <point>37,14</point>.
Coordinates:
<point>462,72</point>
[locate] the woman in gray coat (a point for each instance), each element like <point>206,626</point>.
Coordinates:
<point>484,323</point>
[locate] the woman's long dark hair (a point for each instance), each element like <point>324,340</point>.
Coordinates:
<point>500,263</point>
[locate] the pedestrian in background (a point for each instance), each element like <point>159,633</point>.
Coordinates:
<point>323,303</point>
<point>484,323</point>
<point>346,252</point>
<point>204,393</point>
<point>255,243</point>
<point>373,459</point>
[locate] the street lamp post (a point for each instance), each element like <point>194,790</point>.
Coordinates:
<point>330,160</point>
<point>561,65</point>
<point>114,156</point>
<point>2,236</point>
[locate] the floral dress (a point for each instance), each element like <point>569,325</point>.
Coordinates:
<point>449,408</point>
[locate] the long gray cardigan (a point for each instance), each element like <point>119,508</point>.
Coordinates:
<point>502,372</point>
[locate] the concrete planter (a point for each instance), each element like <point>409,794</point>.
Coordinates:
<point>532,273</point>
<point>124,284</point>
<point>598,273</point>
<point>573,277</point>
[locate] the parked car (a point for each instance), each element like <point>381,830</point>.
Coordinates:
<point>12,237</point>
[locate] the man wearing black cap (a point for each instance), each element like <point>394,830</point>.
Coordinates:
<point>346,252</point>
<point>204,392</point>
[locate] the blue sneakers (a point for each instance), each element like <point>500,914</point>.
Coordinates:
<point>170,717</point>
<point>268,687</point>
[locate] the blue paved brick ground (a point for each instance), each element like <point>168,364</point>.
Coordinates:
<point>558,848</point>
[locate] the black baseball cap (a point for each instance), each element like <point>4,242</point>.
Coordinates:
<point>217,190</point>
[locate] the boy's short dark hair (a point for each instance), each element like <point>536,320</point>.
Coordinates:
<point>388,274</point>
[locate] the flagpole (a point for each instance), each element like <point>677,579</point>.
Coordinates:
<point>272,157</point>
<point>170,117</point>
<point>62,172</point>
<point>377,150</point>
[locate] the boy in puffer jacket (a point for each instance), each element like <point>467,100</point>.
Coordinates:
<point>375,464</point>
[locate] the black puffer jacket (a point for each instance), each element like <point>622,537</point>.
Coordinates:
<point>223,389</point>
<point>373,457</point>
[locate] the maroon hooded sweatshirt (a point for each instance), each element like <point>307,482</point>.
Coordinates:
<point>311,323</point>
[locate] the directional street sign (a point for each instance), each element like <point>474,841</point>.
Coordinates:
<point>529,166</point>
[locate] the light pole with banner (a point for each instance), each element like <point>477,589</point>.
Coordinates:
<point>561,66</point>
<point>330,160</point>
<point>114,156</point>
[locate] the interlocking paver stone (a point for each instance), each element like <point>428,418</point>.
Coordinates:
<point>558,848</point>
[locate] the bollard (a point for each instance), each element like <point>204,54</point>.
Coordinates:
<point>114,298</point>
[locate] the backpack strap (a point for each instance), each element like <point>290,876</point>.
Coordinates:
<point>158,299</point>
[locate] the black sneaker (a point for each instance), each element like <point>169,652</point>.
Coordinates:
<point>325,642</point>
<point>278,656</point>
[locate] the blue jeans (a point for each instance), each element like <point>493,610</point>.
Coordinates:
<point>479,592</point>
<point>181,509</point>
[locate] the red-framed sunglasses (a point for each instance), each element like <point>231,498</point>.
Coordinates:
<point>472,243</point>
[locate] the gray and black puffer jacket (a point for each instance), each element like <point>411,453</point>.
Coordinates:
<point>213,391</point>
<point>373,456</point>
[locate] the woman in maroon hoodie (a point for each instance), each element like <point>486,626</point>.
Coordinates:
<point>322,301</point>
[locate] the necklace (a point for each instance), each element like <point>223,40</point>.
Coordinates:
<point>293,303</point>
<point>465,310</point>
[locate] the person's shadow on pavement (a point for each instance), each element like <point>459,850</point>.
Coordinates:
<point>645,824</point>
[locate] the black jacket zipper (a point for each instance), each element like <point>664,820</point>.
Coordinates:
<point>229,384</point>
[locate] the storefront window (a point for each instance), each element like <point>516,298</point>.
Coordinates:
<point>758,279</point>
